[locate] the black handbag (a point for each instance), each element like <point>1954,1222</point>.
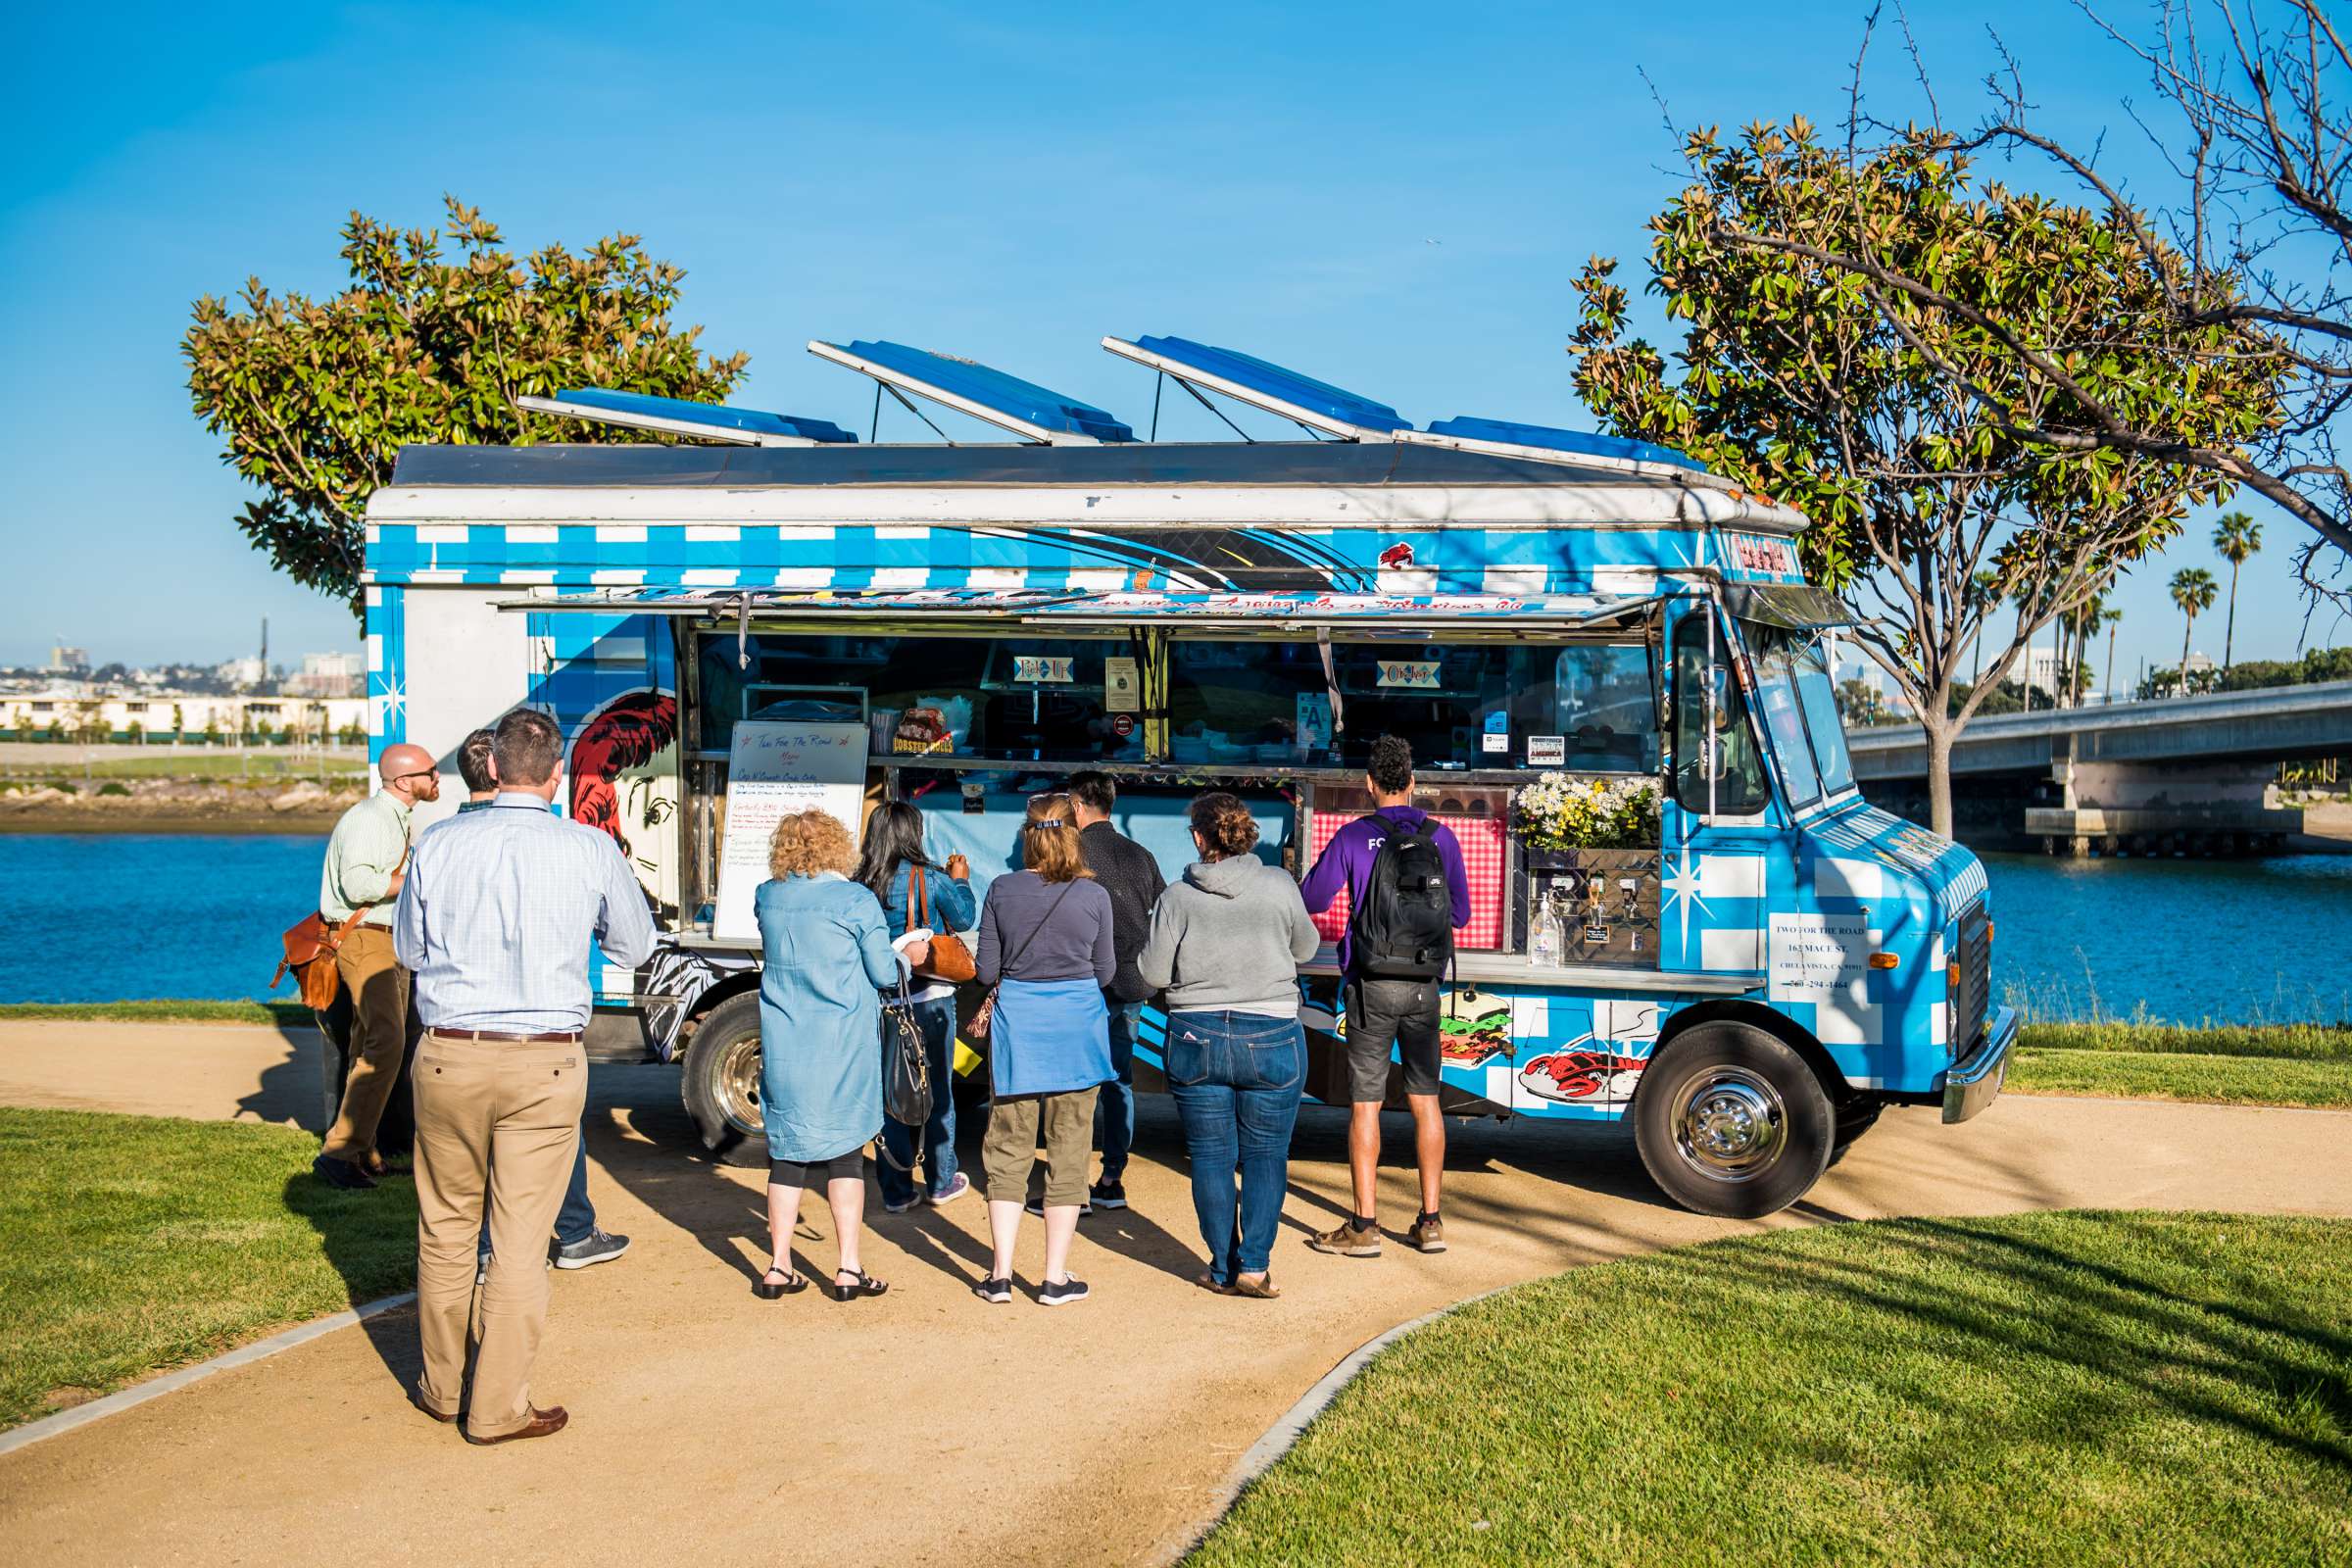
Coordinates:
<point>906,1087</point>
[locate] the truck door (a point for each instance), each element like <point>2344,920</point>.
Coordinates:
<point>1716,831</point>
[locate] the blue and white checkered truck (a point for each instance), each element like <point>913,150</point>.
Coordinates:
<point>761,607</point>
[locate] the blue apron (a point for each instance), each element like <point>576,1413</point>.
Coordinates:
<point>1049,1036</point>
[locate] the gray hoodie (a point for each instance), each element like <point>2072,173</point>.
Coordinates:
<point>1229,938</point>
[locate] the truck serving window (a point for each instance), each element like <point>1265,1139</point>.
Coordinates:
<point>1468,706</point>
<point>1009,698</point>
<point>1738,766</point>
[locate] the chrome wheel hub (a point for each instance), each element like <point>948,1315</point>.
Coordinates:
<point>1731,1125</point>
<point>739,1085</point>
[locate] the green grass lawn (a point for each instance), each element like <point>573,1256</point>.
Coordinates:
<point>194,762</point>
<point>260,1012</point>
<point>2266,1065</point>
<point>2083,1387</point>
<point>135,1244</point>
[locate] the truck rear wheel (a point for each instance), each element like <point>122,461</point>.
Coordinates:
<point>721,1081</point>
<point>1730,1121</point>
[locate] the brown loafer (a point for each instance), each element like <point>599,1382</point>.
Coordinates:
<point>542,1424</point>
<point>417,1400</point>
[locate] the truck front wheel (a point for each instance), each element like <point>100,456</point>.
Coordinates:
<point>721,1082</point>
<point>1730,1121</point>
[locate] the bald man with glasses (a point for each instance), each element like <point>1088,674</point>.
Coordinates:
<point>366,859</point>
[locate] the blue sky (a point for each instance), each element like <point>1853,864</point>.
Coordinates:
<point>1394,198</point>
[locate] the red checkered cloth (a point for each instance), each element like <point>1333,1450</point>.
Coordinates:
<point>1483,859</point>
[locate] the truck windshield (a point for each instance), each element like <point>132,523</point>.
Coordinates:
<point>1800,710</point>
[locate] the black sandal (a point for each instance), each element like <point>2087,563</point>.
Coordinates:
<point>866,1285</point>
<point>790,1285</point>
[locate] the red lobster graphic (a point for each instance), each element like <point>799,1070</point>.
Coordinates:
<point>629,732</point>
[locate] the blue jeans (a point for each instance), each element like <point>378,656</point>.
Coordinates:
<point>577,1219</point>
<point>1114,1111</point>
<point>936,1020</point>
<point>1237,1078</point>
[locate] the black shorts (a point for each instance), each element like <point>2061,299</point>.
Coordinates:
<point>847,1167</point>
<point>1391,1012</point>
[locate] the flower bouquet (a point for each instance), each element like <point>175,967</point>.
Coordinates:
<point>1560,813</point>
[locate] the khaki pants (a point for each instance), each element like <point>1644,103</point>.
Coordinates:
<point>379,1036</point>
<point>1010,1146</point>
<point>497,1122</point>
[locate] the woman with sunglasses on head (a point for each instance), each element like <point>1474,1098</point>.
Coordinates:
<point>918,895</point>
<point>1046,955</point>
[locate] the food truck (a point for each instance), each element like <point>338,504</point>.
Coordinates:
<point>1615,681</point>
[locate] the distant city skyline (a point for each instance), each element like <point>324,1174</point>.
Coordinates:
<point>1394,206</point>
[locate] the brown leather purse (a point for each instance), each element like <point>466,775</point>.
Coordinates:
<point>951,961</point>
<point>311,945</point>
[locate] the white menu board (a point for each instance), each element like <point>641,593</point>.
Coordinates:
<point>775,769</point>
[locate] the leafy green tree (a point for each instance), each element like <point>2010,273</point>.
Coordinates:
<point>317,397</point>
<point>1859,703</point>
<point>2192,590</point>
<point>1801,378</point>
<point>2237,537</point>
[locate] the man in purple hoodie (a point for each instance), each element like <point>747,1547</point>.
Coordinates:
<point>1383,1011</point>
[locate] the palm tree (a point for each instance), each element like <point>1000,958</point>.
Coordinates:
<point>2235,537</point>
<point>2111,616</point>
<point>1983,592</point>
<point>2193,590</point>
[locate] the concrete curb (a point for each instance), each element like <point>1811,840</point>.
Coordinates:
<point>81,1415</point>
<point>1293,1423</point>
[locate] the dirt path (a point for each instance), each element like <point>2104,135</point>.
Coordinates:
<point>926,1427</point>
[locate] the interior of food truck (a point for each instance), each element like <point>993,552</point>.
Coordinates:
<point>967,718</point>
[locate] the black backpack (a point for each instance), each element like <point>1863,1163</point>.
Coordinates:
<point>1402,928</point>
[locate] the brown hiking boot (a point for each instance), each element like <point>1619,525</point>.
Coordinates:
<point>1429,1234</point>
<point>1347,1241</point>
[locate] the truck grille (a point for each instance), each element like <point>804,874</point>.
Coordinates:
<point>1972,993</point>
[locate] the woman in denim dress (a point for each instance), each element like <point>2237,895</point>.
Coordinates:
<point>826,955</point>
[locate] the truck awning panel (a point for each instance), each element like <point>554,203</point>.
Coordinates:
<point>1502,434</point>
<point>1029,411</point>
<point>1247,379</point>
<point>710,421</point>
<point>1370,613</point>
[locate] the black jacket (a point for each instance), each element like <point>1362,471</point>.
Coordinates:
<point>1131,876</point>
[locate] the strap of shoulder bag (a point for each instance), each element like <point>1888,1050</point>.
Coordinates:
<point>922,894</point>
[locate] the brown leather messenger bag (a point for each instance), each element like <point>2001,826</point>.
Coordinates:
<point>311,948</point>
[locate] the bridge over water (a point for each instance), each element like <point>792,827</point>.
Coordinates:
<point>2190,771</point>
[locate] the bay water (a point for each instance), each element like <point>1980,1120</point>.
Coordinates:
<point>98,917</point>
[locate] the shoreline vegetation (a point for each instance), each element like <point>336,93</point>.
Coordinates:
<point>2306,1066</point>
<point>139,803</point>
